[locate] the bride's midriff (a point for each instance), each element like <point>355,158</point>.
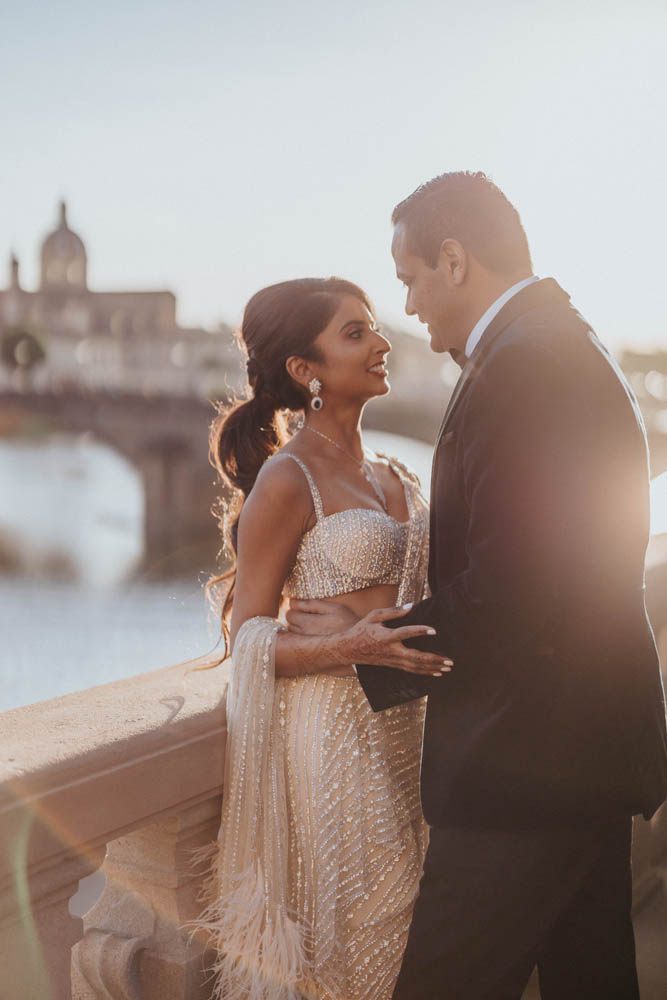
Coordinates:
<point>362,602</point>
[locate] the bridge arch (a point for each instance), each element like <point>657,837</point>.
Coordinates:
<point>165,440</point>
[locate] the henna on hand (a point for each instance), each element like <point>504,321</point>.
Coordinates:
<point>369,641</point>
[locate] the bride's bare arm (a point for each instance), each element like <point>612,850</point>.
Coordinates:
<point>272,523</point>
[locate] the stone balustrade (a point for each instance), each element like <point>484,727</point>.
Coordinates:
<point>128,777</point>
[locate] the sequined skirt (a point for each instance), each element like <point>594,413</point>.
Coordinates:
<point>356,833</point>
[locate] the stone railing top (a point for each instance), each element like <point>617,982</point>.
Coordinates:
<point>106,720</point>
<point>83,768</point>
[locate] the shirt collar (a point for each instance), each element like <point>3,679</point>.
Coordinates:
<point>493,310</point>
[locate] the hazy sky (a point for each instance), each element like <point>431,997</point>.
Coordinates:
<point>213,148</point>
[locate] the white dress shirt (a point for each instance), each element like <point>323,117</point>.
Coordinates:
<point>493,310</point>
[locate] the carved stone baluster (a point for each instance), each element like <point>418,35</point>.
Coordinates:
<point>37,930</point>
<point>134,946</point>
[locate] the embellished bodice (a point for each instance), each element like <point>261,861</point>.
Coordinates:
<point>358,548</point>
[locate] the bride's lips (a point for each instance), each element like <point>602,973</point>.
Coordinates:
<point>379,369</point>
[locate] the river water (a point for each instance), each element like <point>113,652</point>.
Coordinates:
<point>73,507</point>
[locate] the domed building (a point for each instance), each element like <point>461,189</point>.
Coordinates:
<point>63,258</point>
<point>120,341</point>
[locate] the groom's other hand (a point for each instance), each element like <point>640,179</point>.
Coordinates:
<point>370,641</point>
<point>312,617</point>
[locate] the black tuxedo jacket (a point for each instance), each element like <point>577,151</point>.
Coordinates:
<point>554,710</point>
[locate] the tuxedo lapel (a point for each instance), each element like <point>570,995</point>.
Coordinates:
<point>467,373</point>
<point>540,293</point>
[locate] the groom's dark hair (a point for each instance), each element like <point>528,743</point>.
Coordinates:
<point>470,208</point>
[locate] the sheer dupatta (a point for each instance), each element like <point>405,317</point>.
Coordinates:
<point>414,574</point>
<point>260,946</point>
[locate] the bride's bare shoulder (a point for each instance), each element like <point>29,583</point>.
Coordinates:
<point>280,478</point>
<point>272,521</point>
<point>280,494</point>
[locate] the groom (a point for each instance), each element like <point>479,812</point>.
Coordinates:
<point>549,733</point>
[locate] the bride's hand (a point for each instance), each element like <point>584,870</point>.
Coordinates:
<point>369,641</point>
<point>315,617</point>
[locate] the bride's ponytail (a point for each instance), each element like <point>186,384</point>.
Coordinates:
<point>279,322</point>
<point>242,437</point>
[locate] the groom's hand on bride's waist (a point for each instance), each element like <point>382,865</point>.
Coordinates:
<point>367,640</point>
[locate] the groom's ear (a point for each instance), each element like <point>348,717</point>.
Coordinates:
<point>453,261</point>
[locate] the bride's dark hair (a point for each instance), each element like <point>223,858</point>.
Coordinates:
<point>278,322</point>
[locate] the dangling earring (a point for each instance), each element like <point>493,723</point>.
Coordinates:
<point>315,387</point>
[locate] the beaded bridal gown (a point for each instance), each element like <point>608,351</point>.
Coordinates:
<point>313,879</point>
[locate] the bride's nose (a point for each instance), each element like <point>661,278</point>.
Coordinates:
<point>384,346</point>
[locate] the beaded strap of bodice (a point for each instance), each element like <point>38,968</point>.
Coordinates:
<point>314,492</point>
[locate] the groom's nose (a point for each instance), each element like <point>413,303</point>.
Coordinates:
<point>409,308</point>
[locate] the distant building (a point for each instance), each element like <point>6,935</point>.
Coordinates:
<point>128,341</point>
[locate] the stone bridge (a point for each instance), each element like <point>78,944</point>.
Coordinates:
<point>166,440</point>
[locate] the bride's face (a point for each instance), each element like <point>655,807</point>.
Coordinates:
<point>353,352</point>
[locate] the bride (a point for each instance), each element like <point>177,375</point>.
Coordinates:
<point>314,877</point>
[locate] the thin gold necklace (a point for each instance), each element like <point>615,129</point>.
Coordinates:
<point>364,465</point>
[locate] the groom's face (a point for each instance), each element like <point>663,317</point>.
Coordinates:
<point>430,294</point>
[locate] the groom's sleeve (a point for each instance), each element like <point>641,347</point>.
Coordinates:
<point>386,687</point>
<point>520,454</point>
